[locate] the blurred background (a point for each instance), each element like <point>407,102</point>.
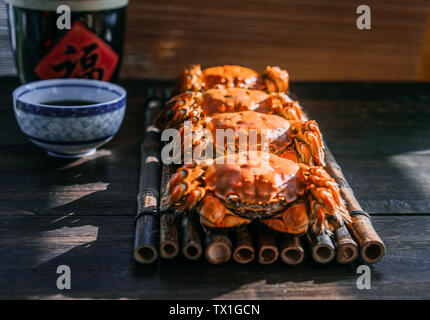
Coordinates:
<point>315,40</point>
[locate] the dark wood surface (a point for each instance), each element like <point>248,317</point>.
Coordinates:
<point>80,212</point>
<point>314,40</point>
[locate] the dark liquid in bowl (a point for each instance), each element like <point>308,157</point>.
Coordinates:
<point>69,103</point>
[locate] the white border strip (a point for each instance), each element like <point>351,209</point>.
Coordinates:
<point>83,5</point>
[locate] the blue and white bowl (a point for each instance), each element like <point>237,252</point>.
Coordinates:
<point>69,131</point>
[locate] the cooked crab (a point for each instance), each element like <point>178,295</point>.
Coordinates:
<point>195,105</point>
<point>193,78</point>
<point>236,189</point>
<point>299,141</point>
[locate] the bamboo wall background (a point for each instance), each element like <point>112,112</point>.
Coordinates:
<point>314,39</point>
<point>7,64</point>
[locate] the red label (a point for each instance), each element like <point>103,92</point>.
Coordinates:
<point>80,54</point>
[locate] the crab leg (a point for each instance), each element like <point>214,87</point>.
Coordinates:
<point>180,108</point>
<point>284,106</point>
<point>325,200</point>
<point>185,189</point>
<point>191,78</point>
<point>192,140</point>
<point>276,79</point>
<point>294,220</point>
<point>289,153</point>
<point>214,214</point>
<point>308,142</point>
<point>292,111</point>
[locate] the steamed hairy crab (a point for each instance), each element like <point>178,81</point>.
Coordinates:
<point>299,141</point>
<point>193,78</point>
<point>282,194</point>
<point>193,106</point>
<point>291,193</point>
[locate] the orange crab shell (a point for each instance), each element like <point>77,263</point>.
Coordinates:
<point>235,189</point>
<point>195,105</point>
<point>231,76</point>
<point>259,184</point>
<point>299,141</point>
<point>275,129</point>
<point>235,99</point>
<point>194,78</point>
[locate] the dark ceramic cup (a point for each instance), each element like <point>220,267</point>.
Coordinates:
<point>45,48</point>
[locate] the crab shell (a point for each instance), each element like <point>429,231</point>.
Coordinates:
<point>299,141</point>
<point>195,105</point>
<point>231,76</point>
<point>194,78</point>
<point>255,185</point>
<point>233,190</point>
<point>275,130</point>
<point>234,99</point>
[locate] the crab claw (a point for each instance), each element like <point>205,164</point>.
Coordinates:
<point>325,200</point>
<point>294,220</point>
<point>276,79</point>
<point>308,140</point>
<point>191,79</point>
<point>214,214</point>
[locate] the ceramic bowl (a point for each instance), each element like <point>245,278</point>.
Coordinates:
<point>69,131</point>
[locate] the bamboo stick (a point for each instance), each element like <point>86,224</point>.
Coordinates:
<point>169,242</point>
<point>267,248</point>
<point>169,247</point>
<point>244,251</point>
<point>292,252</point>
<point>346,247</point>
<point>146,221</point>
<point>372,249</point>
<point>322,247</point>
<point>191,242</point>
<point>146,238</point>
<point>218,248</point>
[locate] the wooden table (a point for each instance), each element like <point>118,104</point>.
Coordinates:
<point>80,212</point>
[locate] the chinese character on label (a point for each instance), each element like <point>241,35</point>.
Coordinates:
<point>80,54</point>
